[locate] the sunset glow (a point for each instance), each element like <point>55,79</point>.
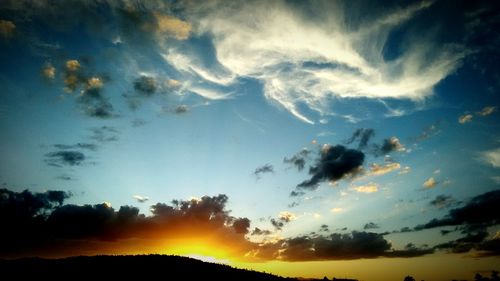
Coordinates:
<point>342,138</point>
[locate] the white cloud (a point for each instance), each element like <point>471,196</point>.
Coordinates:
<point>491,157</point>
<point>210,94</point>
<point>302,62</point>
<point>287,216</point>
<point>141,199</point>
<point>189,64</point>
<point>465,118</point>
<point>404,170</point>
<point>368,188</point>
<point>430,183</point>
<point>169,26</point>
<point>487,110</point>
<point>378,170</point>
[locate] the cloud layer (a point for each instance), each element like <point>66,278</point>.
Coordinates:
<point>312,62</point>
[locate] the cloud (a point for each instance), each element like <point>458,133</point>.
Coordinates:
<point>64,158</point>
<point>299,159</point>
<point>370,225</point>
<point>72,65</point>
<point>145,85</point>
<point>338,246</point>
<point>267,168</point>
<point>141,199</point>
<point>258,231</point>
<point>378,170</point>
<point>171,26</point>
<point>210,94</point>
<point>49,71</point>
<point>487,110</point>
<point>80,145</point>
<point>181,109</point>
<point>480,211</point>
<point>296,193</point>
<point>389,145</point>
<point>404,171</point>
<point>104,134</point>
<point>64,177</point>
<point>430,131</point>
<point>40,224</point>
<point>465,118</point>
<point>138,122</point>
<point>364,136</point>
<point>241,225</point>
<point>335,163</point>
<point>312,63</point>
<point>72,76</point>
<point>287,216</point>
<point>473,220</point>
<point>442,201</point>
<point>91,96</point>
<point>367,188</point>
<point>7,28</point>
<point>284,217</point>
<point>491,157</point>
<point>430,183</point>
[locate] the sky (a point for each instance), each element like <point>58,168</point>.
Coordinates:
<point>303,138</point>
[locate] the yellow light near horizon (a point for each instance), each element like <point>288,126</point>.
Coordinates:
<point>204,250</point>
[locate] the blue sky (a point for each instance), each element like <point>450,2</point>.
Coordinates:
<point>115,101</point>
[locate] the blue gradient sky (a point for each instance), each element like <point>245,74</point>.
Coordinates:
<point>260,82</point>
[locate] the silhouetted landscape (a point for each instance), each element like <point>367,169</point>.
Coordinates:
<point>163,267</point>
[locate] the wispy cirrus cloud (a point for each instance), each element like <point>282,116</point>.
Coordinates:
<point>491,157</point>
<point>303,62</point>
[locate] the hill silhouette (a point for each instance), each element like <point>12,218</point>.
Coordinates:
<point>159,267</point>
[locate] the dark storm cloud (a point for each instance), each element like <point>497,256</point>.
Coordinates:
<point>472,220</point>
<point>363,135</point>
<point>442,201</point>
<point>299,159</point>
<point>267,168</point>
<point>355,245</point>
<point>241,225</point>
<point>41,223</point>
<point>481,211</point>
<point>258,231</point>
<point>410,251</point>
<point>371,225</point>
<point>64,158</point>
<point>335,163</point>
<point>89,146</point>
<point>145,85</point>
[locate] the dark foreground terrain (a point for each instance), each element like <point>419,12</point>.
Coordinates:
<point>159,267</point>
